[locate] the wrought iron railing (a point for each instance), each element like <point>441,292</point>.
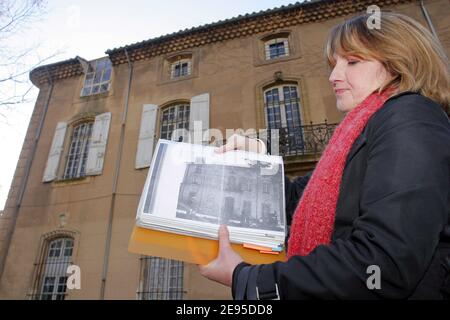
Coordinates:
<point>307,139</point>
<point>301,140</point>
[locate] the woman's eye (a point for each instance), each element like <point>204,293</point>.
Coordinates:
<point>352,62</point>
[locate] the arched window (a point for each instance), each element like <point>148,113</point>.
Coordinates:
<point>53,269</point>
<point>172,118</point>
<point>161,279</point>
<point>282,109</point>
<point>78,151</point>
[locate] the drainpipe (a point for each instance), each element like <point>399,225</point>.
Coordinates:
<point>23,183</point>
<point>429,22</point>
<point>115,180</point>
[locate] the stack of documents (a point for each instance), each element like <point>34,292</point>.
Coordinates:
<point>191,190</point>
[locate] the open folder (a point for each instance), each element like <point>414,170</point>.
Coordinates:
<point>190,190</point>
<point>189,249</point>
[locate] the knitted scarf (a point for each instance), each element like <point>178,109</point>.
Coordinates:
<point>313,221</point>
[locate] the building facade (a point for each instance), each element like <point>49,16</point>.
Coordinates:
<point>85,158</point>
<point>233,195</point>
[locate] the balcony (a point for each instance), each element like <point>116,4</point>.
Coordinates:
<point>303,140</point>
<point>306,140</point>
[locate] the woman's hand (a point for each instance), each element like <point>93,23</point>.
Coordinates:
<point>238,142</point>
<point>221,269</point>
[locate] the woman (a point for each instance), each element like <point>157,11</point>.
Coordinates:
<point>378,201</point>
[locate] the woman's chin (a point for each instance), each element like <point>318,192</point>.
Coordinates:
<point>342,107</point>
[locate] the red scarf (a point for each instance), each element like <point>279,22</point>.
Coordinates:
<point>313,221</point>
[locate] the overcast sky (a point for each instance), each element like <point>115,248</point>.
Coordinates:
<point>89,28</point>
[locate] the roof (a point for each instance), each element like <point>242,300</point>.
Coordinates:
<point>262,22</point>
<point>303,4</point>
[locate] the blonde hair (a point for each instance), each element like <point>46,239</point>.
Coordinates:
<point>408,51</point>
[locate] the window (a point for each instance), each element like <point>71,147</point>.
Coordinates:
<point>162,279</point>
<point>231,184</point>
<point>245,185</point>
<point>276,48</point>
<point>78,151</point>
<point>174,117</point>
<point>282,106</point>
<point>97,78</point>
<point>54,270</point>
<point>180,68</point>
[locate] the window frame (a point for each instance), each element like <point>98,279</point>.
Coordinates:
<point>175,123</point>
<point>84,150</point>
<point>54,268</point>
<point>261,54</point>
<point>282,116</point>
<point>157,275</point>
<point>164,72</point>
<point>276,41</point>
<point>180,63</point>
<point>91,73</point>
<point>288,117</point>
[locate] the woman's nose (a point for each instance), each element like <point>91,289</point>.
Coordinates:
<point>335,75</point>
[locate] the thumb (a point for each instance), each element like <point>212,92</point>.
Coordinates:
<point>224,238</point>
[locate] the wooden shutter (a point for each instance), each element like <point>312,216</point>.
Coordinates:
<point>199,112</point>
<point>97,148</point>
<point>146,136</point>
<point>56,150</point>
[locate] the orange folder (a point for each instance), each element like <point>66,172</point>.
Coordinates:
<point>189,249</point>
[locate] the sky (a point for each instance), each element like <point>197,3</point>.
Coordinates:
<point>89,28</point>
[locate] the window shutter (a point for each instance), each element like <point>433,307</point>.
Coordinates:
<point>146,136</point>
<point>199,112</point>
<point>99,138</point>
<point>54,155</point>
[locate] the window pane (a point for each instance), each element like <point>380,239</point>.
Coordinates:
<point>106,75</point>
<point>163,279</point>
<point>104,87</point>
<point>97,76</point>
<point>277,49</point>
<point>95,89</point>
<point>177,71</point>
<point>79,148</point>
<point>99,72</point>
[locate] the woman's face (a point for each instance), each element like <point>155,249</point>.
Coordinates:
<point>354,79</point>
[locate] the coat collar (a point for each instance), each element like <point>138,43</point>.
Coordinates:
<point>362,139</point>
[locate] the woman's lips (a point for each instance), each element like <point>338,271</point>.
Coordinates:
<point>339,91</point>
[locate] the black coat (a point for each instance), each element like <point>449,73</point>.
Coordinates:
<point>393,212</point>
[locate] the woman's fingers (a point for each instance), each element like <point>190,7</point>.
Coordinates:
<point>234,142</point>
<point>224,239</point>
<point>221,269</point>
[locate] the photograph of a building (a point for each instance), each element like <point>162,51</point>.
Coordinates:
<point>232,195</point>
<point>91,137</point>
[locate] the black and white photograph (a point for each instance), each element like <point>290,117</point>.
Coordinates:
<point>232,195</point>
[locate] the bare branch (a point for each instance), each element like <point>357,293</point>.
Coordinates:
<point>16,16</point>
